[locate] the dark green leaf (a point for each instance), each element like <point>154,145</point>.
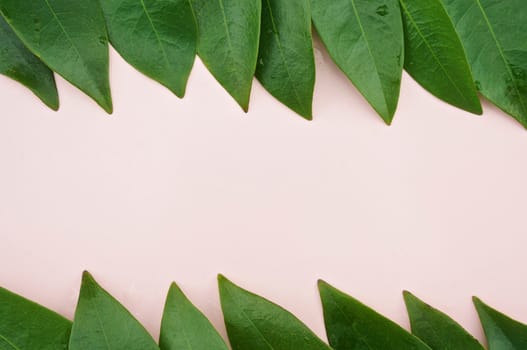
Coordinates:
<point>229,31</point>
<point>286,66</point>
<point>493,33</point>
<point>434,55</point>
<point>101,322</point>
<point>502,332</point>
<point>365,39</point>
<point>158,37</point>
<point>25,325</point>
<point>254,323</point>
<point>18,63</point>
<point>436,329</point>
<point>352,325</point>
<point>69,37</point>
<point>184,327</point>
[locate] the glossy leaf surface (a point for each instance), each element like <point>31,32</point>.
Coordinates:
<point>69,37</point>
<point>352,325</point>
<point>436,329</point>
<point>229,32</point>
<point>434,55</point>
<point>101,322</point>
<point>494,35</point>
<point>286,66</point>
<point>184,327</point>
<point>158,37</point>
<point>25,325</point>
<point>502,332</point>
<point>365,39</point>
<point>18,63</point>
<point>254,323</point>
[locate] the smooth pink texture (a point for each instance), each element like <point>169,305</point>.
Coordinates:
<point>169,189</point>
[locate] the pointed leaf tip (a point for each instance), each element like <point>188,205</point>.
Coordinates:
<point>286,64</point>
<point>496,45</point>
<point>434,55</point>
<point>366,42</point>
<point>252,322</point>
<point>228,36</point>
<point>109,108</point>
<point>352,325</point>
<point>435,328</point>
<point>185,327</point>
<point>20,64</point>
<point>222,278</point>
<point>83,56</point>
<point>87,278</point>
<point>103,322</point>
<point>173,46</point>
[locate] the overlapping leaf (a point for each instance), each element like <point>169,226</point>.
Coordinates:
<point>502,332</point>
<point>229,32</point>
<point>494,35</point>
<point>101,322</point>
<point>444,44</point>
<point>434,56</point>
<point>286,66</point>
<point>158,37</point>
<point>184,327</point>
<point>18,63</point>
<point>365,39</point>
<point>69,37</point>
<point>254,323</point>
<point>436,329</point>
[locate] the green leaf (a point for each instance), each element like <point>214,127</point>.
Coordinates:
<point>436,329</point>
<point>101,322</point>
<point>352,325</point>
<point>254,323</point>
<point>184,327</point>
<point>18,63</point>
<point>495,39</point>
<point>25,325</point>
<point>365,39</point>
<point>502,332</point>
<point>434,55</point>
<point>158,37</point>
<point>69,37</point>
<point>286,65</point>
<point>229,31</point>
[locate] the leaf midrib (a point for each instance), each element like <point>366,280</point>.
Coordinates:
<point>350,321</point>
<point>502,56</point>
<point>184,331</point>
<point>242,312</point>
<point>66,33</point>
<point>158,37</point>
<point>363,32</point>
<point>9,343</point>
<point>226,27</point>
<point>99,320</point>
<point>431,50</point>
<point>282,56</point>
<point>230,49</point>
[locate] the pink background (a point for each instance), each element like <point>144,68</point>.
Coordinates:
<point>169,189</point>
